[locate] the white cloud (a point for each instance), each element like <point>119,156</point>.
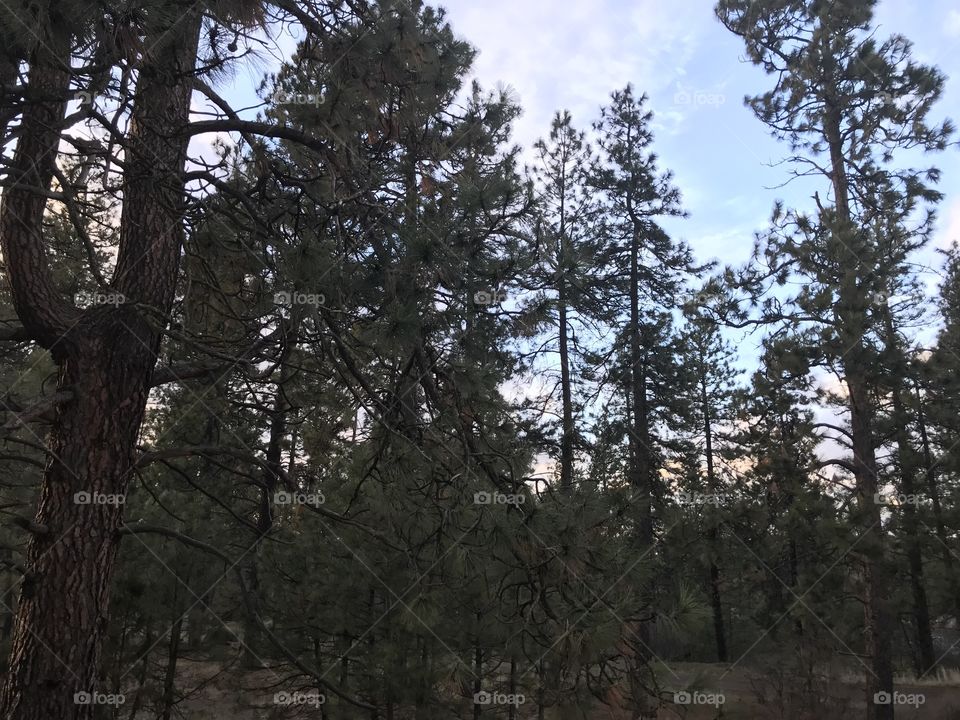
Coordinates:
<point>952,25</point>
<point>572,55</point>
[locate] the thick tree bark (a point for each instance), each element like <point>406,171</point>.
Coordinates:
<point>45,315</point>
<point>63,607</point>
<point>106,356</point>
<point>9,65</point>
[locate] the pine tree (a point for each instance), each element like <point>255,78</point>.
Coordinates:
<point>936,395</point>
<point>710,359</point>
<point>635,193</point>
<point>842,94</point>
<point>572,261</point>
<point>109,379</point>
<point>647,267</point>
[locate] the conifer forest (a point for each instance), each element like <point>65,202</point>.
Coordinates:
<point>376,360</point>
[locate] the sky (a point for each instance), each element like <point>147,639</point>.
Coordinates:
<point>572,54</point>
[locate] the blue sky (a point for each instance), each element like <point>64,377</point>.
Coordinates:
<point>573,54</point>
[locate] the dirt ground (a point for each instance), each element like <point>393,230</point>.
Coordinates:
<point>746,695</point>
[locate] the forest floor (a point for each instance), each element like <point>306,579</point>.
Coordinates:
<point>748,694</point>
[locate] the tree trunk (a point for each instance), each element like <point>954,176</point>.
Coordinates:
<point>566,391</point>
<point>795,579</point>
<point>477,680</point>
<point>9,66</point>
<point>252,645</point>
<point>641,477</point>
<point>106,356</point>
<point>421,705</point>
<point>717,606</point>
<point>567,430</point>
<point>851,317</point>
<point>641,463</point>
<point>715,598</point>
<point>512,707</point>
<point>878,618</point>
<point>10,578</point>
<point>170,675</point>
<point>541,692</point>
